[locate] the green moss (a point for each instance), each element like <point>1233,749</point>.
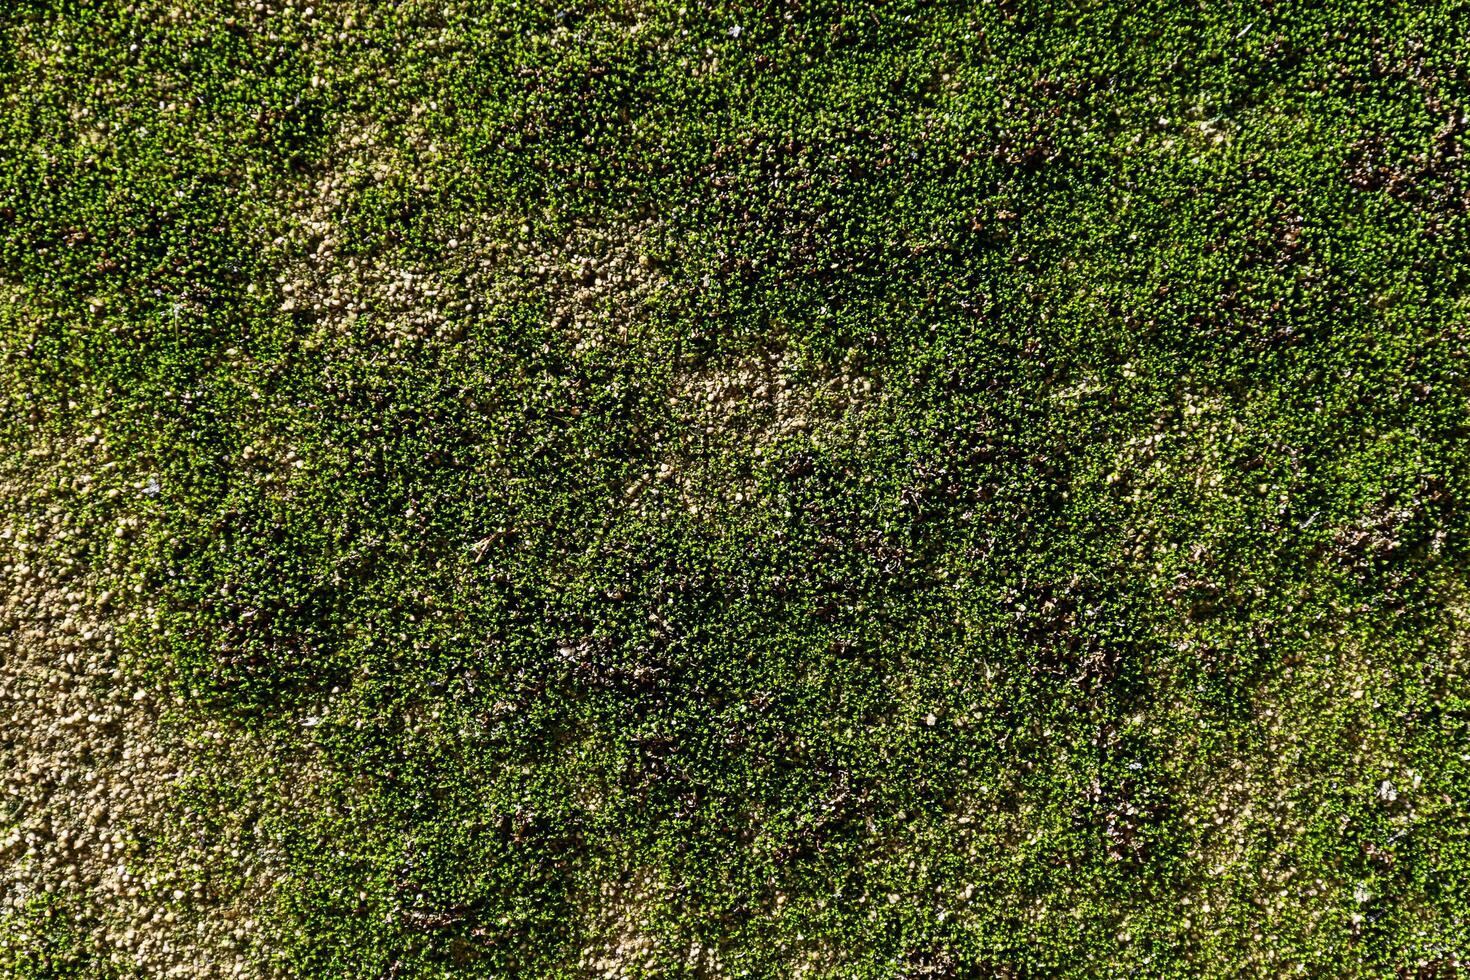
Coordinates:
<point>1092,600</point>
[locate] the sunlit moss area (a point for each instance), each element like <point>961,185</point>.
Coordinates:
<point>776,489</point>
